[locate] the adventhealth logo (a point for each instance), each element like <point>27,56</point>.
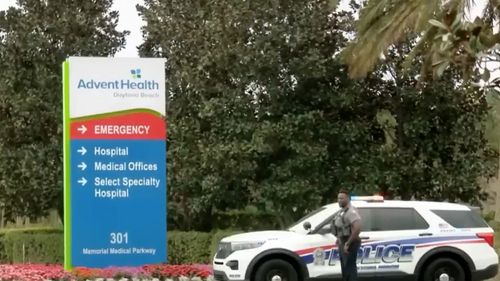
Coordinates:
<point>123,84</point>
<point>136,73</point>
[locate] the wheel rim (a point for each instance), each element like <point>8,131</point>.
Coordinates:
<point>276,278</point>
<point>444,277</point>
<point>446,273</point>
<point>276,275</point>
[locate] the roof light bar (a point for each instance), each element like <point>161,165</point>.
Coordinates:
<point>374,198</point>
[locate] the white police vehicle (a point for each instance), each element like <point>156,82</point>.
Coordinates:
<point>401,240</point>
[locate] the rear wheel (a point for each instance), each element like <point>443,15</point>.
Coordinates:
<point>276,270</point>
<point>444,269</point>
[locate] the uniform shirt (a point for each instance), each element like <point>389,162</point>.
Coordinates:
<point>345,219</point>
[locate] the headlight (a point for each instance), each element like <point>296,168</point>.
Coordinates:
<point>227,248</point>
<point>238,246</point>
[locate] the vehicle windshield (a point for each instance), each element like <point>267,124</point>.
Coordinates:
<point>302,220</point>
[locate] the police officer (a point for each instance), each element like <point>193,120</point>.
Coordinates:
<point>346,226</point>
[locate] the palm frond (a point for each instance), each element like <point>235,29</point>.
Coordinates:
<point>381,24</point>
<point>385,22</point>
<point>489,12</point>
<point>423,45</point>
<point>427,11</point>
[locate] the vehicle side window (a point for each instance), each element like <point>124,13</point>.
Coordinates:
<point>365,214</point>
<point>387,219</point>
<point>325,226</point>
<point>366,220</point>
<point>461,219</point>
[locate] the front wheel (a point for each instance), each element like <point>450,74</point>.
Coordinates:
<point>276,270</point>
<point>444,269</point>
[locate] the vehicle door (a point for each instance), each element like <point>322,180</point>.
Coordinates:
<point>319,261</point>
<point>389,236</point>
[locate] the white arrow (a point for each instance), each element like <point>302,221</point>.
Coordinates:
<point>82,150</point>
<point>82,166</point>
<point>82,129</point>
<point>82,181</point>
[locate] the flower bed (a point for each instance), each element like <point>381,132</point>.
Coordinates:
<point>40,272</point>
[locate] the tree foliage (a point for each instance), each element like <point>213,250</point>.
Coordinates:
<point>248,111</point>
<point>263,113</point>
<point>35,38</point>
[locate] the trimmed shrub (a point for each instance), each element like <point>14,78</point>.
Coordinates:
<point>3,256</point>
<point>47,246</point>
<point>34,246</point>
<point>188,247</point>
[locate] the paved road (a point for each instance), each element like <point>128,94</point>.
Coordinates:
<point>495,279</point>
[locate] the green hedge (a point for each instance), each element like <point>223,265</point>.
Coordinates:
<point>3,256</point>
<point>32,246</point>
<point>188,247</point>
<point>47,246</point>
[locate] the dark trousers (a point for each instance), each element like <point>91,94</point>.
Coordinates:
<point>348,261</point>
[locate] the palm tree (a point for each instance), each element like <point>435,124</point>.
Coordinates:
<point>447,36</point>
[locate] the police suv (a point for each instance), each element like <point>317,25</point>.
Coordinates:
<point>401,240</point>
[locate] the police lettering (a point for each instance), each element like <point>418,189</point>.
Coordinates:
<point>375,254</point>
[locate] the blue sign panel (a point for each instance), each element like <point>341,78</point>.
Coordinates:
<point>119,188</point>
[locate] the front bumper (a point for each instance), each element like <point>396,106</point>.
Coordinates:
<point>233,267</point>
<point>222,272</point>
<point>221,276</point>
<point>487,273</point>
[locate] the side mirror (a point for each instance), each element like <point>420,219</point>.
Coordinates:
<point>307,225</point>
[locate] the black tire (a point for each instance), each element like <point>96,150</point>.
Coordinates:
<point>448,266</point>
<point>278,267</point>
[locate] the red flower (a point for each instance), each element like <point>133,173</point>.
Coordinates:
<point>42,272</point>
